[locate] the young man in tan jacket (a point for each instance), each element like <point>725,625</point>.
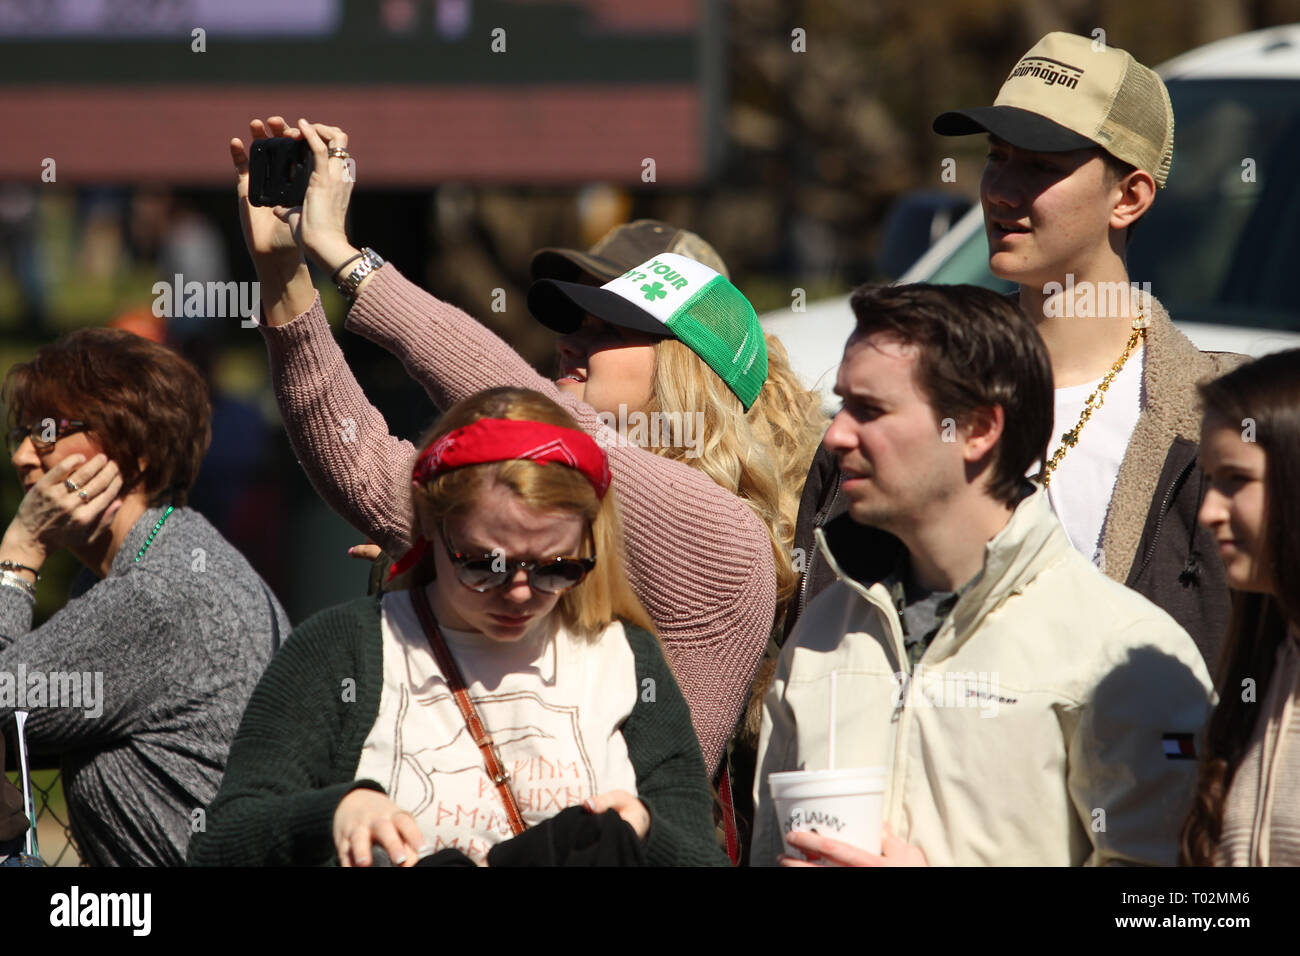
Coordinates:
<point>1080,140</point>
<point>1081,137</point>
<point>1026,709</point>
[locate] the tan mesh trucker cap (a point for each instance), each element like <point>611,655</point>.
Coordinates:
<point>1072,92</point>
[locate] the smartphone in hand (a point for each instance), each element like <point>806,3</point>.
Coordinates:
<point>278,171</point>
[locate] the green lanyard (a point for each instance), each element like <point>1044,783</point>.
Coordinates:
<point>148,541</point>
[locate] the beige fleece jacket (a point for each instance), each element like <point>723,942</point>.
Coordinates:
<point>1031,732</point>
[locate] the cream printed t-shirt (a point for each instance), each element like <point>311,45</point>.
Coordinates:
<point>553,703</point>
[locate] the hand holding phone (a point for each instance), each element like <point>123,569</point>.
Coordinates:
<point>279,169</point>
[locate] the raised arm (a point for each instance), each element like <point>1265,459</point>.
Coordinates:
<point>698,557</point>
<point>341,440</point>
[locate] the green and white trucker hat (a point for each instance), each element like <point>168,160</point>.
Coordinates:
<point>1071,92</point>
<point>669,295</point>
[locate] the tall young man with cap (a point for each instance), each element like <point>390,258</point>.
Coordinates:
<point>1080,139</point>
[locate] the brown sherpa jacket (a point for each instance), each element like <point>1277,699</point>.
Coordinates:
<point>1151,540</point>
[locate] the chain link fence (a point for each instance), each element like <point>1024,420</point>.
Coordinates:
<point>53,835</point>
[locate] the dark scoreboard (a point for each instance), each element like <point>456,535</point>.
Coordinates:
<point>525,91</point>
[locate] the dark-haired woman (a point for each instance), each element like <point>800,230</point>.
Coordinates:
<point>1247,809</point>
<point>138,683</point>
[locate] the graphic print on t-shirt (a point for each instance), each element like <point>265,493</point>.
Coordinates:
<point>435,779</point>
<point>438,772</point>
<point>554,704</point>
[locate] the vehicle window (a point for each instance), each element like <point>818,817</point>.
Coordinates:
<point>969,264</point>
<point>1222,240</point>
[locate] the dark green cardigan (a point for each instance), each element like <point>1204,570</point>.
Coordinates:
<point>296,753</point>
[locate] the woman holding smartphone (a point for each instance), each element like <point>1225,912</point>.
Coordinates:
<point>516,677</point>
<point>1247,808</point>
<point>708,537</point>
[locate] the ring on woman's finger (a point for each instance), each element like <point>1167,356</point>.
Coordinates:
<point>83,496</point>
<point>340,152</point>
<point>69,484</point>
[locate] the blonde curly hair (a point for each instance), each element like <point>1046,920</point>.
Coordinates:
<point>762,455</point>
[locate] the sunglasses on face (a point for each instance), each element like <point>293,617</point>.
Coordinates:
<point>38,432</point>
<point>488,571</point>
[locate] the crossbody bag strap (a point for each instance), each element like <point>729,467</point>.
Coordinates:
<point>496,771</point>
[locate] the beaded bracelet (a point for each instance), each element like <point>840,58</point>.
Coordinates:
<point>15,566</point>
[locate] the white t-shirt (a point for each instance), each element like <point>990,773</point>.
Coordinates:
<point>1082,484</point>
<point>553,703</point>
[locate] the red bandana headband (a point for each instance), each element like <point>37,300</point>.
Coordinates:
<point>506,439</point>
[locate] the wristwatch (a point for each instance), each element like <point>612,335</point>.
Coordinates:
<point>368,263</point>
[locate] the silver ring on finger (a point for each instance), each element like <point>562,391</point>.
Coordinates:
<point>83,496</point>
<point>340,152</point>
<point>69,484</point>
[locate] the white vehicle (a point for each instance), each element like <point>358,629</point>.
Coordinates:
<point>1219,245</point>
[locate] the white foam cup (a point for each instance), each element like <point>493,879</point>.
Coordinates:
<point>845,805</point>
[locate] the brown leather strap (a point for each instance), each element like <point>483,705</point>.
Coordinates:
<point>496,771</point>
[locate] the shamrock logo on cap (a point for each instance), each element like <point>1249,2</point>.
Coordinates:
<point>654,290</point>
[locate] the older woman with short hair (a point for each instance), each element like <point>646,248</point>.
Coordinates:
<point>138,683</point>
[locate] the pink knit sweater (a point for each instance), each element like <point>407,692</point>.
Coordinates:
<point>698,557</point>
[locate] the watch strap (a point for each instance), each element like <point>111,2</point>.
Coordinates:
<point>368,263</point>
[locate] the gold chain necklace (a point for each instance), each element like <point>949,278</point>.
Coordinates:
<point>1071,438</point>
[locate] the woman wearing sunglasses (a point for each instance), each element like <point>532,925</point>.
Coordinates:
<point>359,735</point>
<point>709,513</point>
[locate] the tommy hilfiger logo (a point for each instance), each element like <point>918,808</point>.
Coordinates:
<point>1179,746</point>
<point>1052,72</point>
